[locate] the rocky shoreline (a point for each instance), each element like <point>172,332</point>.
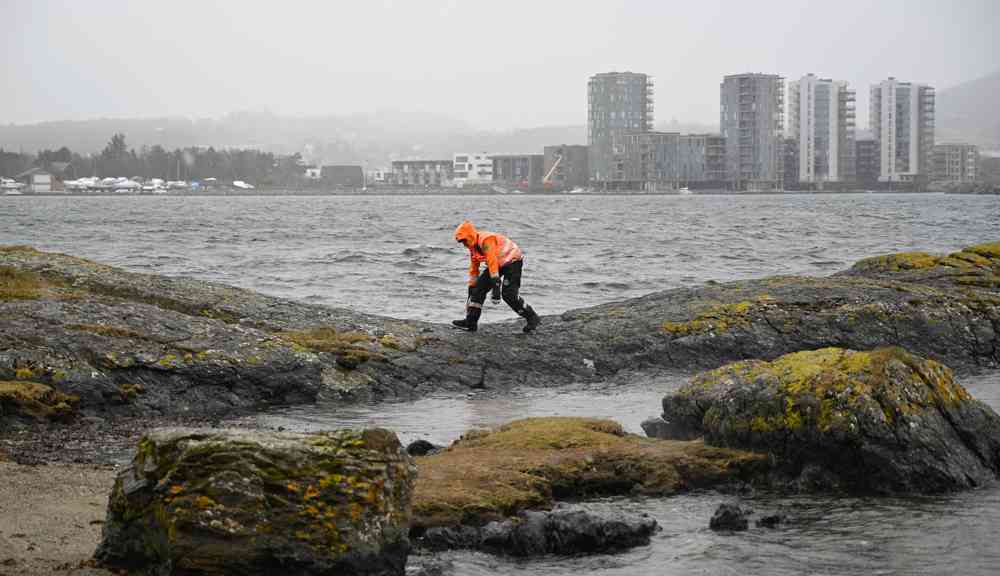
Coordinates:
<point>93,357</point>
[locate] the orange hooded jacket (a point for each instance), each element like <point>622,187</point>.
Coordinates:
<point>494,249</point>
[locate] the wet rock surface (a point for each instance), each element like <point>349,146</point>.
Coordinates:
<point>884,421</point>
<point>239,502</point>
<point>132,343</point>
<point>422,448</point>
<point>732,517</point>
<point>545,532</point>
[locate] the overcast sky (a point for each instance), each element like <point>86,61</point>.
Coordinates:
<point>495,64</point>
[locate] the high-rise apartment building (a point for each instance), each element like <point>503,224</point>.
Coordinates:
<point>752,122</point>
<point>902,121</point>
<point>821,121</point>
<point>618,103</point>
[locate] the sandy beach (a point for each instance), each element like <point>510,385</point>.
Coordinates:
<point>52,516</point>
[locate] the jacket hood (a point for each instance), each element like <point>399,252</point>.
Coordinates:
<point>466,231</point>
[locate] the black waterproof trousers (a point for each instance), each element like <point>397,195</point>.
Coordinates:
<point>510,276</point>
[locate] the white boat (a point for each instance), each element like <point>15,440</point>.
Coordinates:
<point>10,186</point>
<point>12,192</point>
<point>685,191</point>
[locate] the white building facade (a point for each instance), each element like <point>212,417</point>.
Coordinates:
<point>902,121</point>
<point>821,120</point>
<point>471,169</point>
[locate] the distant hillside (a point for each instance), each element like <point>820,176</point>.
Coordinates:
<point>373,140</point>
<point>970,112</point>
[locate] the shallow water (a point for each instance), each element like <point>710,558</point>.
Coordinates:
<point>394,256</point>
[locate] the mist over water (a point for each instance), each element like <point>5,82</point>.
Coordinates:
<point>395,256</point>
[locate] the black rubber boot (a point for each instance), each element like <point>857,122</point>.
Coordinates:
<point>533,319</point>
<point>471,322</point>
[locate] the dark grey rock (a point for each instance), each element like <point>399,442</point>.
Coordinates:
<point>533,533</point>
<point>771,520</point>
<point>731,517</point>
<point>421,447</point>
<point>884,421</point>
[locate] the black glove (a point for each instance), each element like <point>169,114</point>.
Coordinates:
<point>496,290</point>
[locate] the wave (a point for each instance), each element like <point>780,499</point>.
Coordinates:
<point>607,285</point>
<point>424,249</point>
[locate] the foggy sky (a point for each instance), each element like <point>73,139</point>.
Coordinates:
<point>496,64</point>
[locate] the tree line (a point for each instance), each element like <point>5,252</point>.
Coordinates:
<point>188,164</point>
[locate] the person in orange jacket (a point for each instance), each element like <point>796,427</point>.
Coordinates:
<point>502,275</point>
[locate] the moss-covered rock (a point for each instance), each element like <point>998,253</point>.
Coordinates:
<point>238,502</point>
<point>882,421</point>
<point>527,464</point>
<point>19,285</point>
<point>34,400</point>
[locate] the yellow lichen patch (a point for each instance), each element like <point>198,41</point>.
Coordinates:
<point>989,250</point>
<point>389,341</point>
<point>827,388</point>
<point>718,317</point>
<point>527,463</point>
<point>19,248</point>
<point>898,262</point>
<point>19,285</point>
<point>130,392</point>
<point>35,400</point>
<point>351,348</point>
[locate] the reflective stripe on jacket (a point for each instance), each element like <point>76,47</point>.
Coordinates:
<point>496,250</point>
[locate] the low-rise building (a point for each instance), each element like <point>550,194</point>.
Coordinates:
<point>867,157</point>
<point>520,170</point>
<point>652,160</point>
<point>791,160</point>
<point>565,166</point>
<point>473,169</point>
<point>36,180</point>
<point>421,173</point>
<point>702,160</point>
<point>341,176</point>
<point>956,163</point>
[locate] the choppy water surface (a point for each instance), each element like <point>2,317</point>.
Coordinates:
<point>394,256</point>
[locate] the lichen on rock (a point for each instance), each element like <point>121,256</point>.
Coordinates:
<point>235,502</point>
<point>34,400</point>
<point>882,421</point>
<point>530,463</point>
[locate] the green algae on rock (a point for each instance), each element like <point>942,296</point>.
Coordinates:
<point>215,502</point>
<point>880,421</point>
<point>34,400</point>
<point>528,464</point>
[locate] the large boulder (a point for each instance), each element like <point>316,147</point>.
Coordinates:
<point>240,502</point>
<point>883,421</point>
